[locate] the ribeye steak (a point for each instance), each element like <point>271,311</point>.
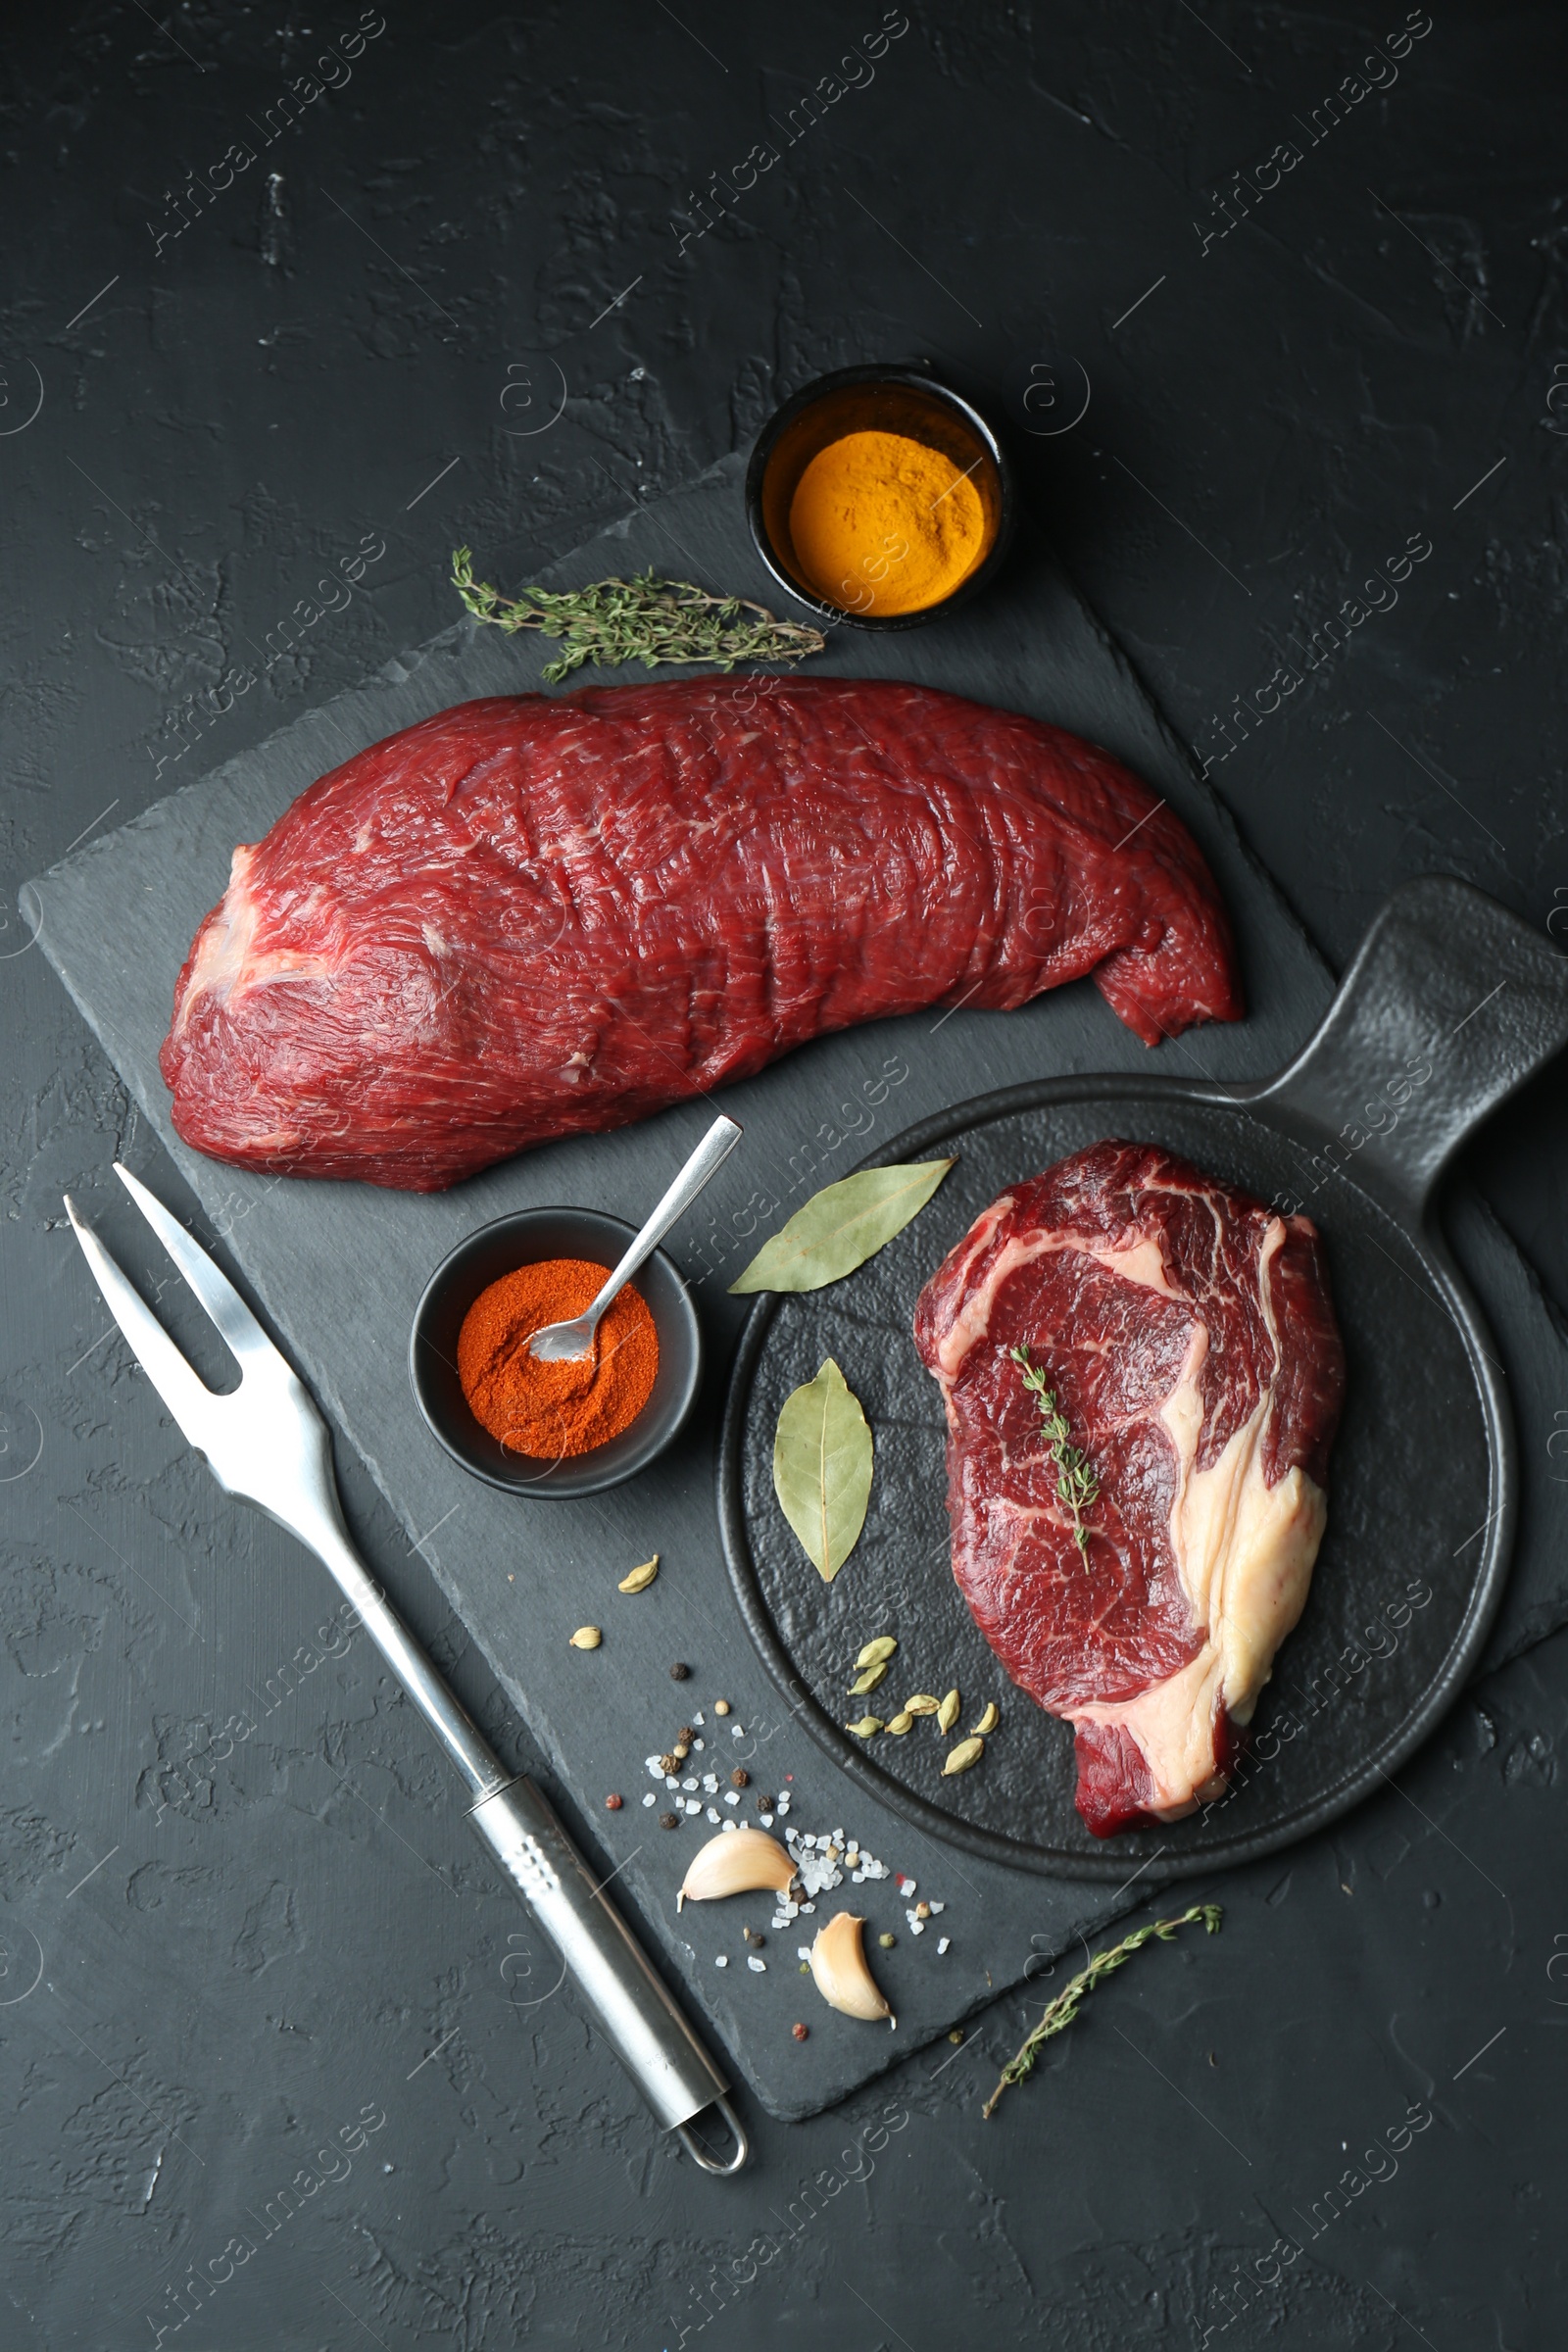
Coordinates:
<point>531,916</point>
<point>1187,1336</point>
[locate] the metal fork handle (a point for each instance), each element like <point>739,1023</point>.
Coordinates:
<point>525,1834</point>
<point>658,2048</point>
<point>716,1146</point>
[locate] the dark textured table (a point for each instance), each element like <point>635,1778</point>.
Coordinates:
<point>285,303</point>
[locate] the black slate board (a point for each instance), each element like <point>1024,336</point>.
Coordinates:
<point>339,1267</point>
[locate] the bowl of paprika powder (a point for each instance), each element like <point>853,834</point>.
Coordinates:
<point>553,1430</point>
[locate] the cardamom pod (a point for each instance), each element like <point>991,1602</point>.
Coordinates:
<point>587,1636</point>
<point>869,1680</point>
<point>922,1703</point>
<point>989,1720</point>
<point>640,1578</point>
<point>867,1727</point>
<point>901,1724</point>
<point>948,1712</point>
<point>875,1651</point>
<point>968,1751</point>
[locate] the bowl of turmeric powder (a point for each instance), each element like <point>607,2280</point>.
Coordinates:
<point>553,1430</point>
<point>881,496</point>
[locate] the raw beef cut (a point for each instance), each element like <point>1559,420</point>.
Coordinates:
<point>1188,1337</point>
<point>531,916</point>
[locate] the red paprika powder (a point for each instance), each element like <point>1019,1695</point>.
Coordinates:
<point>550,1410</point>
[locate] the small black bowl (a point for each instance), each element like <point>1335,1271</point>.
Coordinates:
<point>886,400</point>
<point>523,1240</point>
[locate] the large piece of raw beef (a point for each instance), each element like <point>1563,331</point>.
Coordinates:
<point>1189,1338</point>
<point>530,917</point>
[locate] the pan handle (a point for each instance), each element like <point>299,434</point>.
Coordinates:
<point>1450,1005</point>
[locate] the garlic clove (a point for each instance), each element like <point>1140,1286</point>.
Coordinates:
<point>736,1862</point>
<point>837,1960</point>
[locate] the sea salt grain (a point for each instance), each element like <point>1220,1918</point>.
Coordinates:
<point>759,1967</point>
<point>698,1720</point>
<point>736,1732</point>
<point>711,1782</point>
<point>732,1797</point>
<point>650,1799</point>
<point>942,1944</point>
<point>699,1743</point>
<point>714,1815</point>
<point>691,1806</point>
<point>691,1784</point>
<point>722,1960</point>
<point>767,1819</point>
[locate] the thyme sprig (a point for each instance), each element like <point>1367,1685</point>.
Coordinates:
<point>1064,2008</point>
<point>1077,1487</point>
<point>643,620</point>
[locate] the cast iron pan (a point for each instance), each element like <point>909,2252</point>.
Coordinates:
<point>1450,1005</point>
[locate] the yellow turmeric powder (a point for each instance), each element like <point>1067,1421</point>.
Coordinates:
<point>884,524</point>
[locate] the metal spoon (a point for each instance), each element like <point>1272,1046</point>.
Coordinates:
<point>565,1342</point>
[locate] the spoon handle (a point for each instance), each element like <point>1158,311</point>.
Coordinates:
<point>716,1146</point>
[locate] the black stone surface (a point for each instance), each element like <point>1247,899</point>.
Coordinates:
<point>1368,353</point>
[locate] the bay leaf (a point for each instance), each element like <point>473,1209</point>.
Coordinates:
<point>822,1457</point>
<point>840,1227</point>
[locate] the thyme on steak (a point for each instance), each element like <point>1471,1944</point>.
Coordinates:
<point>1077,1487</point>
<point>643,620</point>
<point>1064,2008</point>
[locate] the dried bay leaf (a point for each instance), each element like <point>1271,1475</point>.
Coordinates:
<point>822,1459</point>
<point>841,1227</point>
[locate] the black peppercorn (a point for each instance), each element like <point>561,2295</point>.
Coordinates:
<point>740,1778</point>
<point>669,1821</point>
<point>679,1673</point>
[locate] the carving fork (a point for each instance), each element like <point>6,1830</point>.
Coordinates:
<point>265,1440</point>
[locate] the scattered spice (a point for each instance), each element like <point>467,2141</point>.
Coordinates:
<point>967,1753</point>
<point>765,1805</point>
<point>640,1578</point>
<point>587,1636</point>
<point>1077,1487</point>
<point>612,1804</point>
<point>1060,2013</point>
<point>948,1712</point>
<point>881,523</point>
<point>721,1707</point>
<point>740,1778</point>
<point>679,1673</point>
<point>550,1410</point>
<point>801,2032</point>
<point>887,1942</point>
<point>669,1821</point>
